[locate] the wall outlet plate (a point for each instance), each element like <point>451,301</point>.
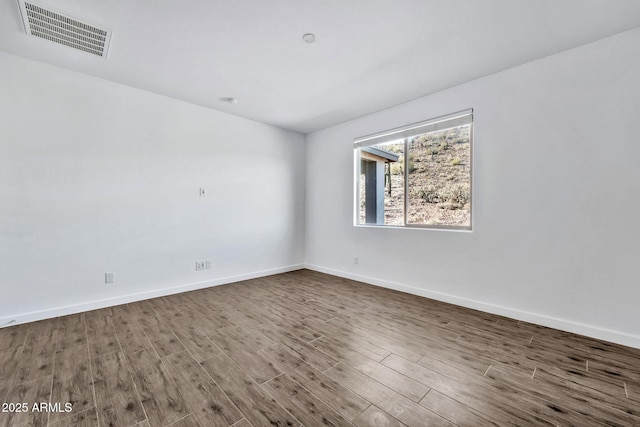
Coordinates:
<point>109,277</point>
<point>208,264</point>
<point>200,265</point>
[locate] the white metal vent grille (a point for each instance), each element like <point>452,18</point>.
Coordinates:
<point>42,21</point>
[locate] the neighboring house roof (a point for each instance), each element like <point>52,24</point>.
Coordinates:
<point>384,154</point>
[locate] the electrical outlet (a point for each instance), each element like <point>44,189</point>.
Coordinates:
<point>200,265</point>
<point>355,260</point>
<point>109,277</point>
<point>208,264</point>
<point>203,191</point>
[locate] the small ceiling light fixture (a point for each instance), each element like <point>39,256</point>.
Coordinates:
<point>229,100</point>
<point>309,38</point>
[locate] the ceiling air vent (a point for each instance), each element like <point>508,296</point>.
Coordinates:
<point>56,26</point>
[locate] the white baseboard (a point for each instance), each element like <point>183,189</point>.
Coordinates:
<point>538,319</point>
<point>109,302</point>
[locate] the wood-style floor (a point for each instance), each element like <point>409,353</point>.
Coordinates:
<point>305,348</point>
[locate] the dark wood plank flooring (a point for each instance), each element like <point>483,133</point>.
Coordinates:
<point>309,349</point>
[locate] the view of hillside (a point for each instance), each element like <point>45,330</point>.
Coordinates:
<point>439,179</point>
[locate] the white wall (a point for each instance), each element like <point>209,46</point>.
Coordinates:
<point>97,177</point>
<point>556,234</point>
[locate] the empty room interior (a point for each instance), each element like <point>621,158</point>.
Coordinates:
<point>332,213</point>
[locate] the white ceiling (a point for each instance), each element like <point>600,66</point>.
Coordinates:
<point>369,54</point>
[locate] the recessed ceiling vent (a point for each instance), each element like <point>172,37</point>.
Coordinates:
<point>56,26</point>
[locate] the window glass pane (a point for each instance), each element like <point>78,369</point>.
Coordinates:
<point>381,184</point>
<point>439,178</point>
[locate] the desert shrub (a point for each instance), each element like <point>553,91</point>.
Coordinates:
<point>432,150</point>
<point>395,148</point>
<point>455,162</point>
<point>412,165</point>
<point>396,168</point>
<point>424,138</point>
<point>443,145</point>
<point>430,194</point>
<point>456,193</point>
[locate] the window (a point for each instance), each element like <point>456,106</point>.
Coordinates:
<point>416,176</point>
